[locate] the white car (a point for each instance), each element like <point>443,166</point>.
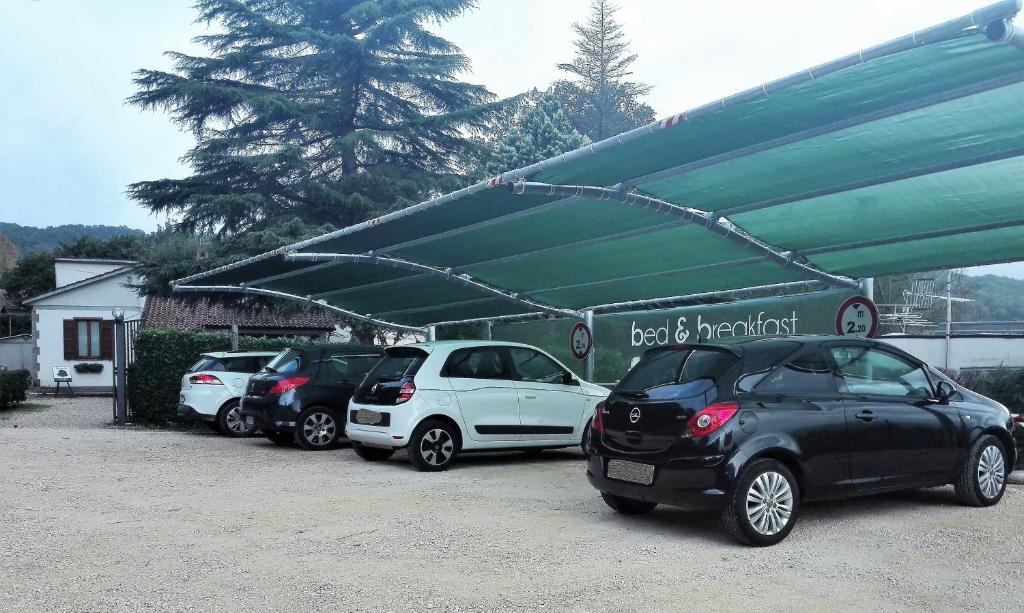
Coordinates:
<point>442,398</point>
<point>211,389</point>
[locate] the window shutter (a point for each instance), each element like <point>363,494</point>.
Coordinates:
<point>106,340</point>
<point>70,339</point>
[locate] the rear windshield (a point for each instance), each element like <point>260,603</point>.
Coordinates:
<point>398,363</point>
<point>675,366</point>
<point>289,361</point>
<point>246,364</point>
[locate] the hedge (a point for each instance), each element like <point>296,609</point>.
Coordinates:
<point>162,357</point>
<point>13,387</point>
<point>1005,385</point>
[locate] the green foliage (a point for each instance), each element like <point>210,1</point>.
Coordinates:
<point>127,247</point>
<point>32,275</point>
<point>13,387</point>
<point>8,253</point>
<point>458,332</point>
<point>89,367</point>
<point>995,298</point>
<point>1004,385</point>
<point>36,240</point>
<point>542,131</point>
<point>330,111</point>
<point>162,357</point>
<point>598,99</point>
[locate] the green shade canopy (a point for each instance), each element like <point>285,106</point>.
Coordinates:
<point>903,157</point>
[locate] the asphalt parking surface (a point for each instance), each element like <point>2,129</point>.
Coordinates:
<point>94,518</point>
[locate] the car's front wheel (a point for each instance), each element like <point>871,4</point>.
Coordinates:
<point>230,422</point>
<point>763,505</point>
<point>317,429</point>
<point>433,445</point>
<point>372,454</point>
<point>983,479</point>
<point>627,506</point>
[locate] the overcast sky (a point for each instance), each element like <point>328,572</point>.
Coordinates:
<point>70,145</point>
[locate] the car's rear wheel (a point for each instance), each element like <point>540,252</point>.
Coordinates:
<point>317,428</point>
<point>281,438</point>
<point>230,422</point>
<point>983,479</point>
<point>628,506</point>
<point>372,454</point>
<point>433,446</point>
<point>763,505</point>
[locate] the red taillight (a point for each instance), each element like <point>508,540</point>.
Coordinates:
<point>405,392</point>
<point>204,380</point>
<point>597,423</point>
<point>286,385</point>
<point>711,418</point>
<point>1019,418</point>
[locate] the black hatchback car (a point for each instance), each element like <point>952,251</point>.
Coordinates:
<point>757,428</point>
<point>303,393</point>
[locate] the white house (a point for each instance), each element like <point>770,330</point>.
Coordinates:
<point>74,323</point>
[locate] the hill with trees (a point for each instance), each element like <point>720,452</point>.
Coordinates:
<point>28,239</point>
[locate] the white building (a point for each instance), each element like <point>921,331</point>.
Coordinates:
<point>73,324</point>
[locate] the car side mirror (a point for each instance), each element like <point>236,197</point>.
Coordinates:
<point>945,391</point>
<point>568,379</point>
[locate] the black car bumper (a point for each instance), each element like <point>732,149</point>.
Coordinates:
<point>694,483</point>
<point>187,412</point>
<point>268,414</point>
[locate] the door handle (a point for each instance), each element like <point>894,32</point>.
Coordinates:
<point>866,416</point>
<point>530,397</point>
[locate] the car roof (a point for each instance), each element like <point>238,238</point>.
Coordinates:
<point>239,354</point>
<point>741,346</point>
<point>340,347</point>
<point>459,344</point>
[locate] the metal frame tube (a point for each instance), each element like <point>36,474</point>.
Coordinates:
<point>255,291</point>
<point>698,218</point>
<point>445,273</point>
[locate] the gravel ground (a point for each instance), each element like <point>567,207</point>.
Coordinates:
<point>94,518</point>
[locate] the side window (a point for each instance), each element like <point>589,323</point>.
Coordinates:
<point>238,364</point>
<point>808,374</point>
<point>346,368</point>
<point>536,367</point>
<point>873,372</point>
<point>477,363</point>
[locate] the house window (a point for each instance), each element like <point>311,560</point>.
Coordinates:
<point>88,339</point>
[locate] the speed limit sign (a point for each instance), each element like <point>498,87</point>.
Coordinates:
<point>581,341</point>
<point>857,317</point>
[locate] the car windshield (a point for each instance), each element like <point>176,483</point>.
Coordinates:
<point>288,361</point>
<point>207,363</point>
<point>674,366</point>
<point>398,363</point>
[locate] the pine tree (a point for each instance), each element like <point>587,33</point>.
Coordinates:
<point>599,100</point>
<point>542,131</point>
<point>328,111</point>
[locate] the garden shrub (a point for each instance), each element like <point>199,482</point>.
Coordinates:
<point>162,357</point>
<point>14,385</point>
<point>1004,385</point>
<point>89,367</point>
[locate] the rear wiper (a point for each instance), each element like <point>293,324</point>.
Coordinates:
<point>637,394</point>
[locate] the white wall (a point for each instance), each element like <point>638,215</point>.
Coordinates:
<point>95,300</point>
<point>73,271</point>
<point>965,351</point>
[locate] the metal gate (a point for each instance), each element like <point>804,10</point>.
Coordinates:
<point>131,329</point>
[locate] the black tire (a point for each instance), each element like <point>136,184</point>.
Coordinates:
<point>736,515</point>
<point>281,438</point>
<point>627,506</point>
<point>585,439</point>
<point>230,423</point>
<point>372,454</point>
<point>433,446</point>
<point>987,457</point>
<point>318,428</point>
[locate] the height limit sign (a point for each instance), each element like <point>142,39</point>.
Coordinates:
<point>857,317</point>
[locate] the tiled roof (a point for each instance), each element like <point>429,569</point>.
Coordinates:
<point>204,314</point>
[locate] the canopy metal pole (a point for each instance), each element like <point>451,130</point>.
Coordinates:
<point>445,273</point>
<point>255,291</point>
<point>588,368</point>
<point>698,218</point>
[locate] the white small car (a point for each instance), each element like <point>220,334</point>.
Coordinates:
<point>212,387</point>
<point>442,398</point>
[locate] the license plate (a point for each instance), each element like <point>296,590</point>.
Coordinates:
<point>250,420</point>
<point>634,472</point>
<point>367,418</point>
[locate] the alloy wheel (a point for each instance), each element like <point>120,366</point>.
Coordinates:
<point>991,471</point>
<point>436,447</point>
<point>235,422</point>
<point>769,503</point>
<point>319,429</point>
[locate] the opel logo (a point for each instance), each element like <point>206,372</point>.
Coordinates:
<point>634,415</point>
